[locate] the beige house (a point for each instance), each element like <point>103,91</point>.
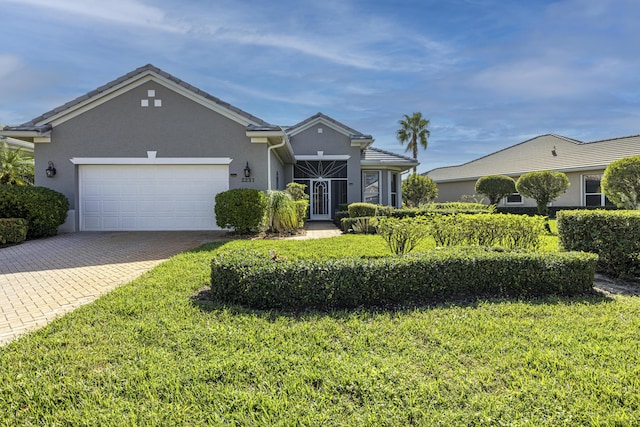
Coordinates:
<point>584,164</point>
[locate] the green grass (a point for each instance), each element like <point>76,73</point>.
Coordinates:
<point>149,353</point>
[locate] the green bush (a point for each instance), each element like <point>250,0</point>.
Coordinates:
<point>338,216</point>
<point>613,235</point>
<point>267,282</point>
<point>13,230</point>
<point>302,211</point>
<point>359,209</point>
<point>507,231</point>
<point>543,186</point>
<point>457,207</point>
<point>621,182</point>
<point>553,210</point>
<point>44,209</point>
<point>495,187</point>
<point>360,225</point>
<point>407,213</point>
<point>403,235</point>
<point>282,213</point>
<point>242,209</point>
<point>418,189</point>
<point>297,191</point>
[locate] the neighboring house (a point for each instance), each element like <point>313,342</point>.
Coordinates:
<point>148,151</point>
<point>584,164</point>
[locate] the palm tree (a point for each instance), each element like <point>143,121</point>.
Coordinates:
<point>16,167</point>
<point>413,131</point>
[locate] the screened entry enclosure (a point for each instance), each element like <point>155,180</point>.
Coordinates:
<point>326,183</point>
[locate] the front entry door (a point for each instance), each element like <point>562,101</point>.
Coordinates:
<point>320,200</point>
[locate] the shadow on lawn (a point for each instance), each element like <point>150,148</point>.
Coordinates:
<point>205,302</point>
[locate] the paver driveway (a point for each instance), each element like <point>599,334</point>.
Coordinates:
<point>42,279</point>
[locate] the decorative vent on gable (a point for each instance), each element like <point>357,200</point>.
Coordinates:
<point>151,93</point>
<point>320,130</point>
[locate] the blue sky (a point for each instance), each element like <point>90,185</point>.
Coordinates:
<point>487,73</point>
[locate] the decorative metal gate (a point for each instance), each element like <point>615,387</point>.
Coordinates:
<point>320,200</point>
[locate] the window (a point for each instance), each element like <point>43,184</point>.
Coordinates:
<point>514,199</point>
<point>592,193</point>
<point>394,190</point>
<point>371,187</point>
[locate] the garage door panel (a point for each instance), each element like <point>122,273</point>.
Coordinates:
<point>150,197</point>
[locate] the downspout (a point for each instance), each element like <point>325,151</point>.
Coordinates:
<point>285,139</point>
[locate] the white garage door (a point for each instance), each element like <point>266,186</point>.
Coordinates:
<point>150,197</point>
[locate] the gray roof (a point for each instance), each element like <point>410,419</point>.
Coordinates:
<point>33,124</point>
<point>545,152</point>
<point>354,134</point>
<point>376,156</point>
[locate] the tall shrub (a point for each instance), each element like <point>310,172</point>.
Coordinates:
<point>495,187</point>
<point>621,182</point>
<point>242,209</point>
<point>418,189</point>
<point>544,187</point>
<point>300,199</point>
<point>282,215</point>
<point>44,209</point>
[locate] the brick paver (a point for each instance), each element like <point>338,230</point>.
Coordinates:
<point>45,278</point>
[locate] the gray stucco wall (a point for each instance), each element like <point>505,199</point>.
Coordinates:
<point>331,142</point>
<point>122,128</point>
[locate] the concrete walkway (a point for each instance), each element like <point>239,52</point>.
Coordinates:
<point>318,230</point>
<point>45,278</point>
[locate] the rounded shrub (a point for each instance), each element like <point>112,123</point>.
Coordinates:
<point>495,187</point>
<point>44,209</point>
<point>242,209</point>
<point>621,182</point>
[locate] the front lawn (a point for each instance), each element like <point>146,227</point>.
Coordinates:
<point>150,353</point>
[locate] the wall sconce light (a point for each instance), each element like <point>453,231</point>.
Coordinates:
<point>247,171</point>
<point>51,171</point>
<point>554,152</point>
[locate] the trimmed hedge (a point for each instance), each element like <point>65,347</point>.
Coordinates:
<point>358,210</point>
<point>458,207</point>
<point>553,210</point>
<point>613,235</point>
<point>242,209</point>
<point>44,209</point>
<point>13,230</point>
<point>258,281</point>
<point>508,231</point>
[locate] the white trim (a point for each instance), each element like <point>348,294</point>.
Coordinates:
<point>321,120</point>
<point>312,157</point>
<point>363,143</point>
<point>151,161</point>
<point>508,203</point>
<point>134,82</point>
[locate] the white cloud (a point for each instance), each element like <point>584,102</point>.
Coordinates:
<point>125,12</point>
